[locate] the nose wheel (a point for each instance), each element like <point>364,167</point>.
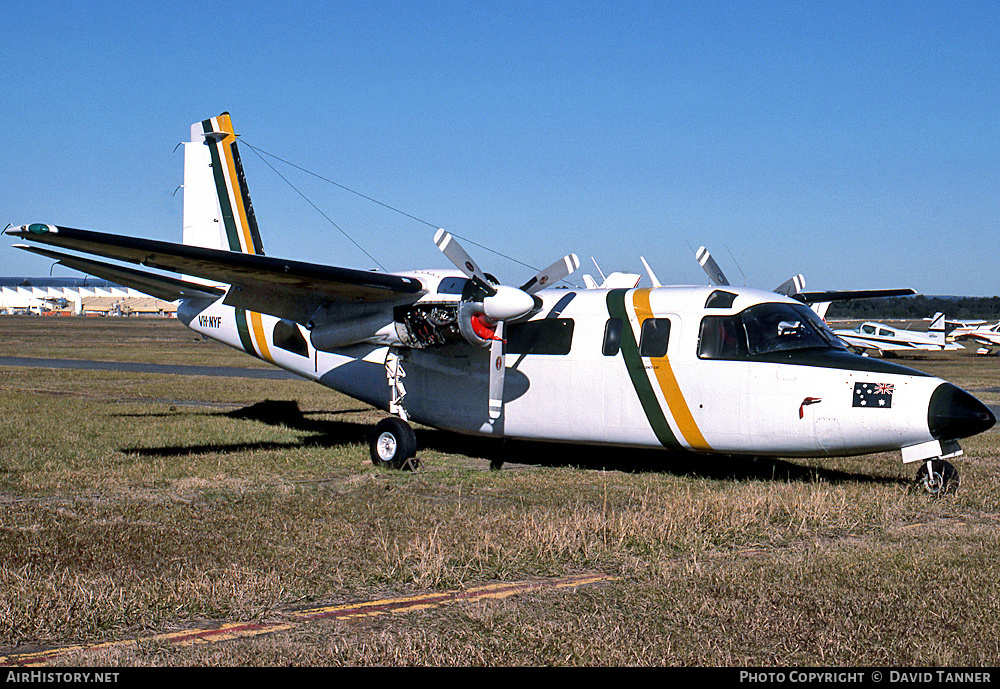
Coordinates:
<point>937,477</point>
<point>393,444</point>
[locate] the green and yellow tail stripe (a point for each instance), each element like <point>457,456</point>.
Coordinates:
<point>230,185</point>
<point>667,382</point>
<point>251,330</point>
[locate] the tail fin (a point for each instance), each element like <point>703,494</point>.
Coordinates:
<point>217,209</point>
<point>936,331</point>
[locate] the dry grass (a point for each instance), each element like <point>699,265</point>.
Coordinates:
<point>138,504</point>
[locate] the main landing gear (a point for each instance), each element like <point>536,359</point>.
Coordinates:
<point>937,477</point>
<point>393,444</point>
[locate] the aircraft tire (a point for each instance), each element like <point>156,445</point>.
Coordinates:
<point>392,443</point>
<point>942,479</point>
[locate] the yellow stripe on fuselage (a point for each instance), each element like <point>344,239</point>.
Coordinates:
<point>668,382</point>
<point>257,325</point>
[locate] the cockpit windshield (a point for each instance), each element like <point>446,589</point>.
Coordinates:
<point>764,329</point>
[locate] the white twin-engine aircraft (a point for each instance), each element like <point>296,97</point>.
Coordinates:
<point>885,339</point>
<point>713,369</point>
<point>985,335</point>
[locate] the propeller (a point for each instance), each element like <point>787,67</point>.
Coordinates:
<point>791,286</point>
<point>500,303</point>
<point>715,273</point>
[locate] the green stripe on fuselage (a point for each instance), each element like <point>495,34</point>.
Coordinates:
<point>243,328</point>
<point>637,372</point>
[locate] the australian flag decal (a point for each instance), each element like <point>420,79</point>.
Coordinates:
<point>878,395</point>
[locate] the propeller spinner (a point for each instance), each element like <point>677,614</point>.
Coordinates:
<point>502,303</point>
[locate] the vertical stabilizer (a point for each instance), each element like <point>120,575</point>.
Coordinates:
<point>217,209</point>
<point>936,331</point>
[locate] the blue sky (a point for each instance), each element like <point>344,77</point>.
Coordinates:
<point>854,142</point>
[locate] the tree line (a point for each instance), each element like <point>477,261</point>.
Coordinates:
<point>911,308</point>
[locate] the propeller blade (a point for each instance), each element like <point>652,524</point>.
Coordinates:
<point>792,285</point>
<point>457,255</point>
<point>497,371</point>
<point>715,274</point>
<point>554,273</point>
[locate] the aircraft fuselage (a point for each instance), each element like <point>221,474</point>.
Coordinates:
<point>695,368</point>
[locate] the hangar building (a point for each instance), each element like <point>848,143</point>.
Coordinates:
<point>77,296</point>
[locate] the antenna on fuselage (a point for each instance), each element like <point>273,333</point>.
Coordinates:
<point>737,266</point>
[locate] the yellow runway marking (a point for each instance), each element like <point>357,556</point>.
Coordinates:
<point>347,611</point>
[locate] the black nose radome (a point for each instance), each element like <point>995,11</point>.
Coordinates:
<point>953,413</point>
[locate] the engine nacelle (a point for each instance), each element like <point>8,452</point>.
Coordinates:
<point>374,328</point>
<point>475,327</point>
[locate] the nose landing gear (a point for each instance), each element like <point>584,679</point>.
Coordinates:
<point>937,477</point>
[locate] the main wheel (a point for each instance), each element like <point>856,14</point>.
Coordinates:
<point>392,443</point>
<point>941,479</point>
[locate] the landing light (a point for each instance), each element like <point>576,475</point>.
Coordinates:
<point>39,228</point>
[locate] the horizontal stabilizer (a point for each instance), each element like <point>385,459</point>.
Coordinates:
<point>159,286</point>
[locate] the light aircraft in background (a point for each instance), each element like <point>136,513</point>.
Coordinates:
<point>959,327</point>
<point>986,336</point>
<point>887,340</point>
<point>707,369</point>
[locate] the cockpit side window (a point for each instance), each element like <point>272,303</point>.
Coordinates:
<point>764,329</point>
<point>720,299</point>
<point>654,337</point>
<point>451,285</point>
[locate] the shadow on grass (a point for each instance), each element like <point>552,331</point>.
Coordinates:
<point>332,433</point>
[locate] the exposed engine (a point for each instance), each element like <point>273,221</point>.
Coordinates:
<point>428,325</point>
<point>425,325</point>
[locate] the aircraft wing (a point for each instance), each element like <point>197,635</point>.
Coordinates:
<point>283,288</point>
<point>864,344</point>
<point>847,295</point>
<point>159,286</point>
<point>988,339</point>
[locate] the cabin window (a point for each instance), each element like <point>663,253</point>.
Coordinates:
<point>654,336</point>
<point>612,337</point>
<point>287,336</point>
<point>722,337</point>
<point>886,333</point>
<point>868,329</point>
<point>546,336</point>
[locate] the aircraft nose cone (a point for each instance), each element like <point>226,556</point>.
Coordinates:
<point>953,413</point>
